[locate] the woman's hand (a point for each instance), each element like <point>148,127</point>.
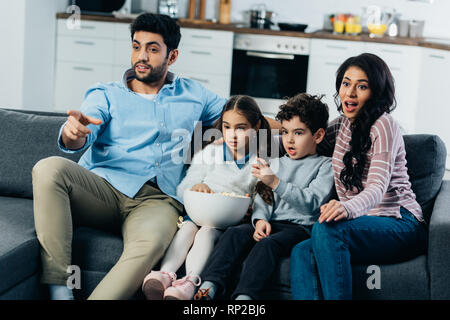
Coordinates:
<point>332,211</point>
<point>201,187</point>
<point>262,171</point>
<point>262,230</point>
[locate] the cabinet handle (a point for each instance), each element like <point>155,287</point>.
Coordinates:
<point>83,69</point>
<point>87,43</point>
<point>270,55</point>
<point>332,63</point>
<point>205,53</point>
<point>392,51</point>
<point>336,47</point>
<point>436,56</point>
<point>199,80</point>
<point>201,37</point>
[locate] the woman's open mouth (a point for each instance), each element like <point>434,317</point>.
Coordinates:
<point>350,106</point>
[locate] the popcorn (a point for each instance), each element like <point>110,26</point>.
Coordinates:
<point>232,194</point>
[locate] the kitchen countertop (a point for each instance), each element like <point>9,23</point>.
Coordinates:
<point>435,43</point>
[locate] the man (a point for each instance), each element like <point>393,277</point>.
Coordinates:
<point>125,180</point>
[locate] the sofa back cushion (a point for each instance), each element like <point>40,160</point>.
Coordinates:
<point>425,155</point>
<point>26,138</point>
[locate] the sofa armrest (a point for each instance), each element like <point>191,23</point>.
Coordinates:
<point>438,245</point>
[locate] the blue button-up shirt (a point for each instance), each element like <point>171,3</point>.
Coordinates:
<point>137,140</point>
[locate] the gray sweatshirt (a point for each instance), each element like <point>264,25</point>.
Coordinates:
<point>305,185</point>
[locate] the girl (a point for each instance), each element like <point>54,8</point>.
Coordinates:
<point>376,218</point>
<point>224,167</point>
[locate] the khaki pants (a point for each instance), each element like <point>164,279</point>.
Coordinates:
<point>67,195</point>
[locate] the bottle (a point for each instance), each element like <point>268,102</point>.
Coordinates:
<point>168,7</point>
<point>225,11</point>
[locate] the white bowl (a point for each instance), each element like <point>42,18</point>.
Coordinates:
<point>214,209</point>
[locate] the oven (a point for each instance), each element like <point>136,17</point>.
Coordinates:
<point>269,68</point>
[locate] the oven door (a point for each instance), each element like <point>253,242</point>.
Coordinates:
<point>268,77</point>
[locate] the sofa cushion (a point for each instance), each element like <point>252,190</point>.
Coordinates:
<point>425,156</point>
<point>96,250</point>
<point>400,281</point>
<point>19,247</point>
<point>27,137</point>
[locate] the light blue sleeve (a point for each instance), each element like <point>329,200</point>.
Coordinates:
<point>261,210</point>
<point>212,108</point>
<point>95,105</point>
<point>196,172</point>
<point>309,199</point>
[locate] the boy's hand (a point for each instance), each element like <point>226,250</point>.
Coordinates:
<point>201,187</point>
<point>262,230</point>
<point>262,171</point>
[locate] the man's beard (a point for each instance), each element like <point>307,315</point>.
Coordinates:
<point>156,73</point>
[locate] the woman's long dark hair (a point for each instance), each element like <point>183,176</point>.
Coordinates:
<point>382,99</point>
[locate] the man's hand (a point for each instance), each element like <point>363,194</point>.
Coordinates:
<point>262,171</point>
<point>262,229</point>
<point>75,131</point>
<point>332,211</point>
<point>201,187</point>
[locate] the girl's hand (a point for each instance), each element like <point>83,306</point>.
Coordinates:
<point>262,171</point>
<point>262,230</point>
<point>332,211</point>
<point>201,187</point>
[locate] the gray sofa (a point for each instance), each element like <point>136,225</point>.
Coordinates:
<point>27,137</point>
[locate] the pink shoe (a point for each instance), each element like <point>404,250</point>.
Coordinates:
<point>156,282</point>
<point>182,289</point>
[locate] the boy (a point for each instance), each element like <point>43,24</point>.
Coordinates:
<point>291,204</point>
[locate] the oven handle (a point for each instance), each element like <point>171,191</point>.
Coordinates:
<point>270,55</point>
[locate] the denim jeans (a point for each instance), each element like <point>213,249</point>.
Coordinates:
<point>321,266</point>
<point>259,258</point>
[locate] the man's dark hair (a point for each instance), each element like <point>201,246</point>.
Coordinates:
<point>309,108</point>
<point>160,24</point>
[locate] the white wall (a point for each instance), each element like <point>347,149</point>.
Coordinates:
<point>12,28</point>
<point>27,34</point>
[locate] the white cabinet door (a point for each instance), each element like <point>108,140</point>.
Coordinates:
<point>204,60</point>
<point>82,49</point>
<point>72,81</point>
<point>433,114</point>
<point>122,52</point>
<point>321,80</point>
<point>218,84</point>
<point>325,58</point>
<point>88,29</point>
<point>206,38</point>
<point>404,63</point>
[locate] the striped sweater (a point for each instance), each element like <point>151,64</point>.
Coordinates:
<point>385,180</point>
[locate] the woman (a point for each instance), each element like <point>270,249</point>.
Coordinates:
<point>376,218</point>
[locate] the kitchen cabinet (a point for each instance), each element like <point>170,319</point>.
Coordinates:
<point>325,58</point>
<point>404,63</point>
<point>206,56</point>
<point>433,112</point>
<point>84,57</point>
<point>100,52</point>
